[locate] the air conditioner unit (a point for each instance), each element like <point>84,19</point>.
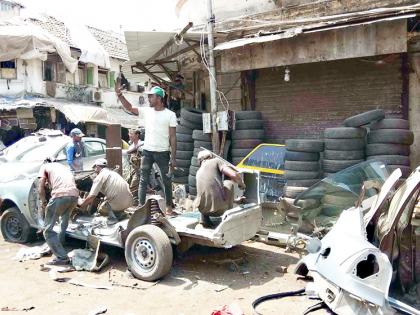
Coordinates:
<point>96,96</point>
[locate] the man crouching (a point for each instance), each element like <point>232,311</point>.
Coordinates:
<point>214,195</point>
<point>116,190</point>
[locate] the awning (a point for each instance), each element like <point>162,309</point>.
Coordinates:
<point>296,31</point>
<point>19,39</point>
<point>76,112</point>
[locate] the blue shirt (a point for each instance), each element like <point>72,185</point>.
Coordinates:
<point>74,154</point>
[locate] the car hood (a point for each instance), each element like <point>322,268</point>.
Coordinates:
<point>11,171</point>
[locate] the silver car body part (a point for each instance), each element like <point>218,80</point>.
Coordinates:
<point>351,275</point>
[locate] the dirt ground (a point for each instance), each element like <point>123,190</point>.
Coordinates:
<point>202,281</point>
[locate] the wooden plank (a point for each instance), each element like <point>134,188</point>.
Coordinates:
<point>352,42</point>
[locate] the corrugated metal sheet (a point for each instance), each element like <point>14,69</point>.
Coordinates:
<point>321,95</point>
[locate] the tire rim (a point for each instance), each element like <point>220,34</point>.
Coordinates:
<point>144,254</point>
<point>14,228</point>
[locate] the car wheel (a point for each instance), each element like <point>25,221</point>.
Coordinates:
<point>148,253</point>
<point>14,227</point>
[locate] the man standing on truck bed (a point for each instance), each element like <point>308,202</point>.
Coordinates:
<point>159,141</point>
<point>74,150</point>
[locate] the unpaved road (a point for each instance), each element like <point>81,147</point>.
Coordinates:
<point>203,280</point>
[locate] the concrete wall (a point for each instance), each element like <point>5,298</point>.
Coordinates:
<point>414,108</point>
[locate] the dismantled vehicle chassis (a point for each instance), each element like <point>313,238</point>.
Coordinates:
<point>146,235</point>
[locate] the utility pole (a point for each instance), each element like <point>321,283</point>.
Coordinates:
<point>212,76</point>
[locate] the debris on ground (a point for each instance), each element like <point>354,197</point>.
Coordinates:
<point>54,276</point>
<point>89,259</point>
<point>15,309</point>
<point>99,310</point>
<point>281,269</point>
<point>32,253</point>
<point>231,309</point>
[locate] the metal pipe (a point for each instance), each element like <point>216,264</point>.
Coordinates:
<point>212,75</point>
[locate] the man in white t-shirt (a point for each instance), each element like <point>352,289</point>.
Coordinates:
<point>159,141</point>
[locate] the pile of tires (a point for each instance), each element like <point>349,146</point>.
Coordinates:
<point>248,133</point>
<point>191,119</point>
<point>201,140</point>
<point>344,147</point>
<point>302,167</point>
<point>389,141</point>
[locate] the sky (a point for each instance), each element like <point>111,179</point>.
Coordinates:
<point>111,15</point>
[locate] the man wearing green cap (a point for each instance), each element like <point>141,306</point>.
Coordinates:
<point>159,141</point>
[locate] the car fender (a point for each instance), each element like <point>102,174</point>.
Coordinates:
<point>19,193</point>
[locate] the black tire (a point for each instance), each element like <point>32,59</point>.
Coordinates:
<point>193,170</point>
<point>195,162</point>
<point>345,144</point>
<point>302,182</point>
<point>192,191</point>
<point>245,144</point>
<point>398,136</point>
<point>332,166</point>
<point>185,146</point>
<point>344,155</point>
<point>237,160</point>
<point>184,155</point>
<point>305,145</point>
<point>405,170</point>
<point>392,159</point>
<point>248,134</point>
<point>153,242</point>
<point>190,125</point>
<point>301,156</point>
<point>204,144</point>
<point>249,124</point>
<point>180,180</point>
<point>390,123</point>
<point>293,192</point>
<point>344,133</point>
<point>181,137</point>
<point>193,115</point>
<point>181,171</point>
<point>247,115</point>
<point>192,181</point>
<point>240,152</point>
<point>301,166</point>
<point>183,163</point>
<point>364,118</point>
<point>385,149</point>
<point>199,135</point>
<point>302,174</point>
<point>14,227</point>
<point>184,130</point>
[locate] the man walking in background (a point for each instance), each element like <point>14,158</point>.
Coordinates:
<point>74,150</point>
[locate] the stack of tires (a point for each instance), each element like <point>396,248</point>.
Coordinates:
<point>389,141</point>
<point>344,147</point>
<point>302,167</point>
<point>248,133</point>
<point>201,140</point>
<point>191,119</point>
